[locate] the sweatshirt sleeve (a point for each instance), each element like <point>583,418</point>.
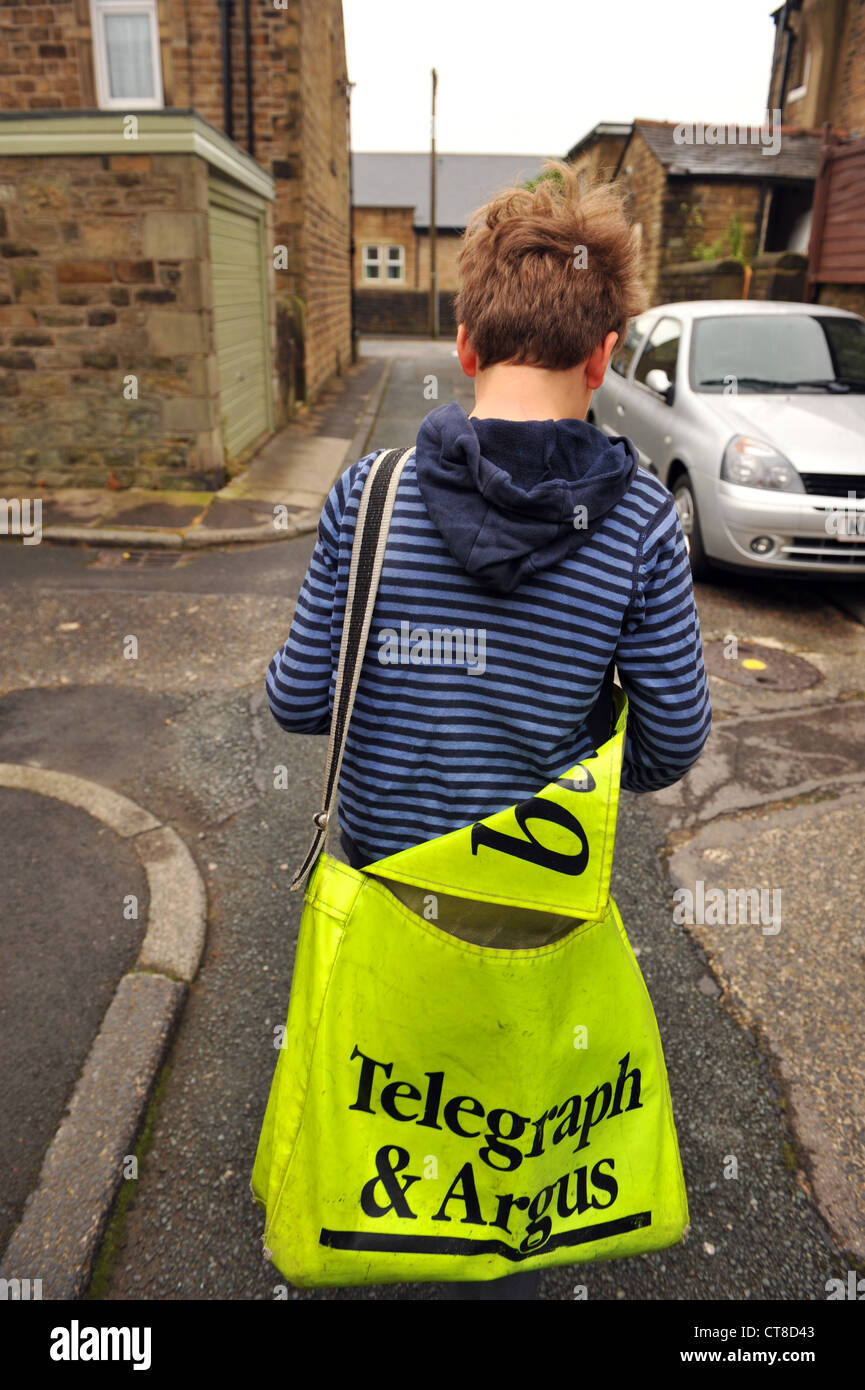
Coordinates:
<point>659,660</point>
<point>298,682</point>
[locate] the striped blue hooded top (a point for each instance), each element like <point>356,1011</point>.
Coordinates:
<point>522,556</point>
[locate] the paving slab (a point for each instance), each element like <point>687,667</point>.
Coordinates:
<point>783,930</point>
<point>763,758</point>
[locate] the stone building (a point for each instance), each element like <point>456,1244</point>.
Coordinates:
<point>684,193</point>
<point>174,234</point>
<point>695,187</point>
<point>818,79</point>
<point>818,64</point>
<point>391,198</point>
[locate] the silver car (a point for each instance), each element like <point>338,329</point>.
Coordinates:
<point>753,415</point>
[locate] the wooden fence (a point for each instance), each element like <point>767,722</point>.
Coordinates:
<point>836,253</point>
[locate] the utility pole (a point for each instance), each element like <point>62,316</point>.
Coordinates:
<point>433,271</point>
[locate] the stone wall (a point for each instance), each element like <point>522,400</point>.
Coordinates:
<point>712,205</point>
<point>850,297</point>
<point>299,135</point>
<point>598,160</point>
<point>779,275</point>
<point>645,180</point>
<point>107,366</point>
<point>700,280</point>
<point>39,57</point>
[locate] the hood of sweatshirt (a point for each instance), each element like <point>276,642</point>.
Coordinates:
<point>504,493</point>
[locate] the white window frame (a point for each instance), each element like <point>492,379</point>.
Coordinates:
<point>375,260</point>
<point>383,260</point>
<point>399,262</point>
<point>98,10</point>
<point>798,92</point>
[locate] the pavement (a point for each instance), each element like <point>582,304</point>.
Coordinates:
<point>277,496</point>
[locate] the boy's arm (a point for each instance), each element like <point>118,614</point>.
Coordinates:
<point>299,676</point>
<point>659,660</point>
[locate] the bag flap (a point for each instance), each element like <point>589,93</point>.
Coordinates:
<point>553,852</point>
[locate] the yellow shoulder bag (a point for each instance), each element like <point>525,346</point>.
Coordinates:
<point>444,1108</point>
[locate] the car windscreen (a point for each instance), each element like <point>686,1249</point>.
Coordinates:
<point>763,352</point>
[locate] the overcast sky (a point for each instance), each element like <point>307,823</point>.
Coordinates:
<point>533,76</point>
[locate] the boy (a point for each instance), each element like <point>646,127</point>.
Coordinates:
<point>530,536</point>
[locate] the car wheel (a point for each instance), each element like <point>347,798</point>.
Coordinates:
<point>686,506</point>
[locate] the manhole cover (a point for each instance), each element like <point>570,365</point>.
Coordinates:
<point>747,663</point>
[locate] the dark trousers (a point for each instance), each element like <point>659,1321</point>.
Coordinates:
<point>512,1286</point>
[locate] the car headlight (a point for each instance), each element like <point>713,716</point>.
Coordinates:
<point>754,463</point>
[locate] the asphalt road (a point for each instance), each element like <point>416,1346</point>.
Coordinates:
<point>185,732</point>
<point>64,946</point>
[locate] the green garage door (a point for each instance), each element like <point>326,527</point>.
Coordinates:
<point>240,318</point>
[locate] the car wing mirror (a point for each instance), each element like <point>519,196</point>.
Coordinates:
<point>658,381</point>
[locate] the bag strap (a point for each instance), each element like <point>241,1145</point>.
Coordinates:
<point>367,557</point>
<point>600,721</point>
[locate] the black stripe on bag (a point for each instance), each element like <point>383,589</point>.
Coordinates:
<point>463,1245</point>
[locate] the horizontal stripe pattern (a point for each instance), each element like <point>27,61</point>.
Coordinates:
<point>432,747</point>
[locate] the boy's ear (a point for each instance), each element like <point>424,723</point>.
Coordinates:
<point>465,352</point>
<point>596,365</point>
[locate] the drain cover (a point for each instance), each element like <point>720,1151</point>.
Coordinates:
<point>747,663</point>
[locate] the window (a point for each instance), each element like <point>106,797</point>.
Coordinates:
<point>126,53</point>
<point>801,70</point>
<point>623,355</point>
<point>389,258</point>
<point>395,263</point>
<point>661,350</point>
<point>761,352</point>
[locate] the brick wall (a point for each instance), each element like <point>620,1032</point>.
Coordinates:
<point>325,175</point>
<point>848,95</point>
<point>402,313</point>
<point>447,249</point>
<point>380,227</point>
<point>106,356</point>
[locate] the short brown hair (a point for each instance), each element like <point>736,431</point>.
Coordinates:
<point>522,298</point>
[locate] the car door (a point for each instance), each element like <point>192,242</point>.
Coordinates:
<point>646,415</point>
<point>607,400</point>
